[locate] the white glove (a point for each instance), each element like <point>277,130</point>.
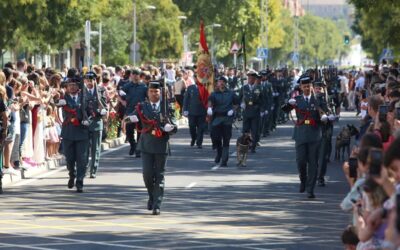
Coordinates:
<point>85,123</point>
<point>103,112</point>
<point>332,117</point>
<point>261,114</point>
<point>276,94</point>
<point>292,101</point>
<point>185,113</point>
<point>324,118</point>
<point>133,118</point>
<point>266,112</point>
<point>230,112</point>
<point>168,127</point>
<point>209,111</point>
<point>122,93</point>
<point>61,102</point>
<point>243,105</point>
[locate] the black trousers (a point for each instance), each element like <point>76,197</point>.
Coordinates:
<point>153,176</point>
<point>252,125</point>
<point>197,125</point>
<point>221,135</point>
<point>307,163</point>
<point>76,157</point>
<point>130,134</point>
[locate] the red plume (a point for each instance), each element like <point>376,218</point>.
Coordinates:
<point>203,41</point>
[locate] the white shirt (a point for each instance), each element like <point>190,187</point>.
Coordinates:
<point>308,98</point>
<point>360,83</point>
<point>156,103</point>
<point>344,85</point>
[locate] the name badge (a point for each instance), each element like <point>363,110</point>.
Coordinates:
<point>307,122</point>
<point>250,103</point>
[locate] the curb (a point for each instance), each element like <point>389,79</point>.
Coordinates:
<point>55,163</point>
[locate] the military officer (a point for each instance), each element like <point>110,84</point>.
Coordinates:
<point>195,108</point>
<point>97,108</point>
<point>327,131</point>
<point>252,102</point>
<point>307,135</point>
<point>158,123</point>
<point>221,105</point>
<point>267,94</point>
<point>133,93</point>
<point>75,133</point>
<point>233,82</point>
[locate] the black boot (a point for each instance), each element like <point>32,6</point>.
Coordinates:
<point>225,157</point>
<point>219,154</point>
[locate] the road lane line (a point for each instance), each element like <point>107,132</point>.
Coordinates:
<point>191,185</point>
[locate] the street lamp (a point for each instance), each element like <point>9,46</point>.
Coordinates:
<point>214,25</point>
<point>134,46</point>
<point>88,34</point>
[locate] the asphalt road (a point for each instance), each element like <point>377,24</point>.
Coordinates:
<point>205,207</point>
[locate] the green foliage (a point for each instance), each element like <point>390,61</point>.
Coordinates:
<point>378,24</point>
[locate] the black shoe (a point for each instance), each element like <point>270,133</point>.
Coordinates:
<point>138,155</point>
<point>92,176</point>
<point>199,146</point>
<point>302,188</point>
<point>321,183</point>
<point>1,186</point>
<point>192,143</point>
<point>149,205</point>
<point>224,164</point>
<point>71,183</point>
<point>311,196</point>
<point>156,211</point>
<point>79,186</point>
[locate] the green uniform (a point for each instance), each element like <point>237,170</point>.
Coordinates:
<point>75,139</point>
<point>154,148</point>
<point>96,101</point>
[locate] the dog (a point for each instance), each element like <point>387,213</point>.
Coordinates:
<point>243,144</point>
<point>343,141</point>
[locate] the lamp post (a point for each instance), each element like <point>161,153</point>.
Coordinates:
<point>88,34</point>
<point>214,25</point>
<point>134,45</point>
<point>185,42</point>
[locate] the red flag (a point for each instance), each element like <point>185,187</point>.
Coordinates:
<point>203,41</point>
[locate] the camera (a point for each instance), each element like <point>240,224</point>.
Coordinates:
<point>353,163</point>
<point>383,110</point>
<point>375,158</point>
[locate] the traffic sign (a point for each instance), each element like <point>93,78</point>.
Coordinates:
<point>262,53</point>
<point>234,48</point>
<point>295,56</point>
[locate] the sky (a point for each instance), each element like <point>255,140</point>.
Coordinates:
<point>322,2</point>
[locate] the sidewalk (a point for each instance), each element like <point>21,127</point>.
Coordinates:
<point>55,163</point>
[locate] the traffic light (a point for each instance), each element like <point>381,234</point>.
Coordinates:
<point>346,39</point>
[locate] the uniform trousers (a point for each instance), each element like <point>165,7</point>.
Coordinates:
<point>153,176</point>
<point>307,163</point>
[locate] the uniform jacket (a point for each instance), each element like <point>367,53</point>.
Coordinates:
<point>95,103</point>
<point>254,100</point>
<point>148,142</point>
<point>305,133</point>
<point>192,103</point>
<point>135,93</point>
<point>221,103</point>
<point>72,129</point>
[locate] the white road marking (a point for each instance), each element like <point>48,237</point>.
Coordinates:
<point>44,175</point>
<point>191,185</point>
<point>233,154</point>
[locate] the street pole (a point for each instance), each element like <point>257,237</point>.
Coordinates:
<point>134,32</point>
<point>212,44</point>
<point>100,45</point>
<point>266,30</point>
<point>87,43</point>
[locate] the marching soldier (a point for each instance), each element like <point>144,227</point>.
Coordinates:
<point>221,105</point>
<point>195,108</point>
<point>75,133</point>
<point>97,108</point>
<point>158,122</point>
<point>307,135</point>
<point>252,101</point>
<point>133,93</point>
<point>267,93</point>
<point>327,131</point>
<point>232,80</point>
